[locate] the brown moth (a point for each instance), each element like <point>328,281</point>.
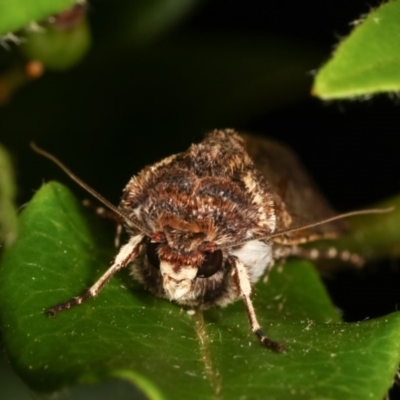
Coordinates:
<point>204,225</point>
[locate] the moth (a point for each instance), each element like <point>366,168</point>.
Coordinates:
<point>206,224</point>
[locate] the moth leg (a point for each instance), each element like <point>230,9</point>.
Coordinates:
<point>110,215</point>
<point>243,285</point>
<point>126,255</point>
<point>281,252</point>
<point>329,253</point>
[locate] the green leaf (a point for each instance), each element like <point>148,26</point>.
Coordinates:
<point>17,14</point>
<point>367,61</point>
<point>8,212</point>
<point>12,388</point>
<point>129,334</point>
<point>56,48</point>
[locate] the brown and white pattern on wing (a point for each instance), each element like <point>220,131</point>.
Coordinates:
<point>212,191</point>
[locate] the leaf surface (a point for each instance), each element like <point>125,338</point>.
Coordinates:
<point>127,333</point>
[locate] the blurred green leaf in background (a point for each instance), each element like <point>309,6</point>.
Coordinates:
<point>18,14</point>
<point>8,213</point>
<point>367,61</point>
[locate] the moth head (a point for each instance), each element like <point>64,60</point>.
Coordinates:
<point>181,270</point>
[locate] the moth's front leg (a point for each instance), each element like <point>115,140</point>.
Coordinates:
<point>242,281</point>
<point>126,255</point>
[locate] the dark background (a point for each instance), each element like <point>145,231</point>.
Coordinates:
<point>105,118</point>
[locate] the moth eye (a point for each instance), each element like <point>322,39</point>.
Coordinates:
<point>152,254</point>
<point>211,264</point>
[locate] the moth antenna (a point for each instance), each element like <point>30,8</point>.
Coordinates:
<point>335,218</point>
<point>79,181</point>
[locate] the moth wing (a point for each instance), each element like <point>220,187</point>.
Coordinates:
<point>297,198</point>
